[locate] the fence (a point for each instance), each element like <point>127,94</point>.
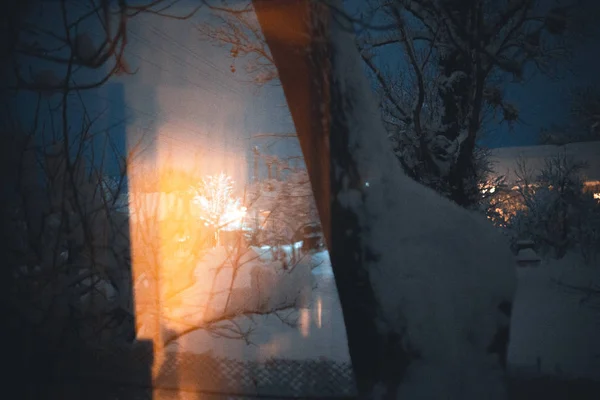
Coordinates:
<point>209,376</point>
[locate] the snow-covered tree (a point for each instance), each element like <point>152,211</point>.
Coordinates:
<point>460,55</point>
<point>218,207</point>
<point>287,206</point>
<point>426,287</point>
<point>434,100</point>
<point>557,213</point>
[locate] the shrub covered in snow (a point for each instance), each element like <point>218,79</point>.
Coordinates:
<point>282,209</point>
<point>557,213</point>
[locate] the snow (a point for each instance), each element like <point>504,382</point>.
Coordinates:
<point>319,333</point>
<point>321,264</point>
<point>525,242</point>
<point>549,322</point>
<point>555,328</point>
<point>442,271</point>
<point>267,252</point>
<point>525,255</point>
<point>220,286</point>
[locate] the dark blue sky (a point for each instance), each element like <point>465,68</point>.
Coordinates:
<point>543,101</point>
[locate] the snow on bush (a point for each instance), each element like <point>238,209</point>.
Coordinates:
<point>440,273</point>
<point>287,205</point>
<point>558,214</point>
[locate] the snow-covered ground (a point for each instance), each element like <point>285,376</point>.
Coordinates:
<point>550,324</point>
<point>555,329</point>
<point>225,282</point>
<point>318,332</point>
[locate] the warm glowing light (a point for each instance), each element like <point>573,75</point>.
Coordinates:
<point>487,188</point>
<point>232,218</point>
<point>597,196</point>
<point>305,322</point>
<point>216,205</point>
<point>168,238</point>
<point>319,311</point>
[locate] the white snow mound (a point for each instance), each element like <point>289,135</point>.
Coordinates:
<point>442,272</point>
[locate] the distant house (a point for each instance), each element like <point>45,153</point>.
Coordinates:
<point>506,160</point>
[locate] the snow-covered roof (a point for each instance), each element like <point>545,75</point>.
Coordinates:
<point>505,159</point>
